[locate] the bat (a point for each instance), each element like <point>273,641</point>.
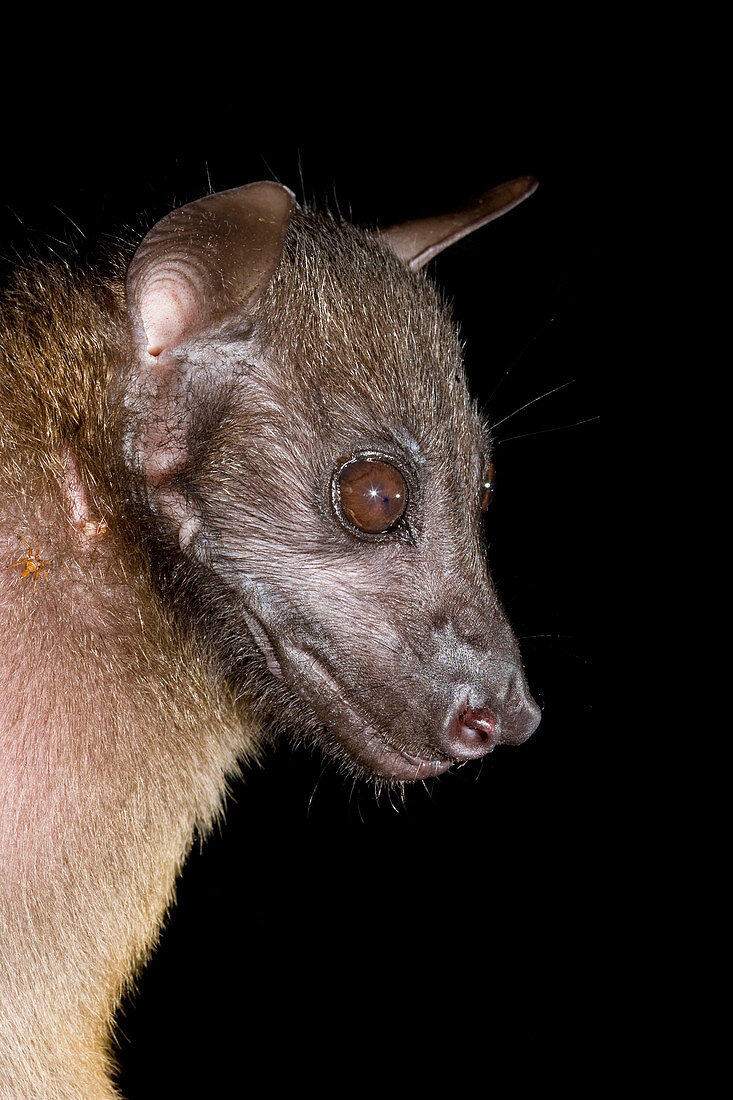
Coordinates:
<point>244,461</point>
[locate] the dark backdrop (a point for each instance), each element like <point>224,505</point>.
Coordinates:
<point>321,933</point>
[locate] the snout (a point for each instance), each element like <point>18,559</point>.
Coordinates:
<point>476,724</point>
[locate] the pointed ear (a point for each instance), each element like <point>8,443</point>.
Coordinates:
<point>204,259</point>
<point>416,242</point>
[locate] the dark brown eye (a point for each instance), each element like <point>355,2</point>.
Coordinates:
<point>487,487</point>
<point>372,494</point>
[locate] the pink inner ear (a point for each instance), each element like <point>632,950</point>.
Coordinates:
<point>169,307</point>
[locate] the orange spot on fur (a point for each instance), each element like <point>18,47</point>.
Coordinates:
<point>33,564</point>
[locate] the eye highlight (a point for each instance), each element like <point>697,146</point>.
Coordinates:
<point>370,493</point>
<point>487,486</point>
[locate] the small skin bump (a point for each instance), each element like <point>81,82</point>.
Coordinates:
<point>77,500</point>
<point>188,531</point>
<point>94,528</point>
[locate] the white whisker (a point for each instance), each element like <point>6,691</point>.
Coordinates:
<point>534,401</point>
<point>544,431</point>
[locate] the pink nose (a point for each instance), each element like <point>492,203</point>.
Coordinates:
<point>472,732</point>
<point>478,724</point>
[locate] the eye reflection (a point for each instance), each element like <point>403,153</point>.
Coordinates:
<point>372,494</point>
<point>487,486</point>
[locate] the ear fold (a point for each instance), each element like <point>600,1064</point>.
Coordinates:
<point>204,259</point>
<point>416,242</point>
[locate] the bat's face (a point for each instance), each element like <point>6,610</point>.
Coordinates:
<point>299,417</point>
<point>341,474</point>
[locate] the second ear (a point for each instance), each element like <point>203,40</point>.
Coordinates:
<point>416,242</point>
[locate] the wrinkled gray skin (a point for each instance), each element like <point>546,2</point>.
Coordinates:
<point>377,646</point>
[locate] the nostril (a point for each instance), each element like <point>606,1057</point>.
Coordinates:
<point>470,732</point>
<point>481,720</point>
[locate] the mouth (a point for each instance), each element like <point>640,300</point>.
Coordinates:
<point>373,751</point>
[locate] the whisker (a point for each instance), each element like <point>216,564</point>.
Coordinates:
<point>390,792</point>
<point>300,173</point>
<point>315,788</point>
<point>519,358</point>
<point>534,401</point>
<point>354,799</point>
<point>544,431</point>
<point>69,219</point>
<point>269,169</point>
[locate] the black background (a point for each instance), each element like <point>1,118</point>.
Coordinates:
<point>323,937</point>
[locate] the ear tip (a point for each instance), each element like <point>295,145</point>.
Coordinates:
<point>529,184</point>
<point>282,187</point>
<point>521,187</point>
<point>269,193</point>
<point>505,196</point>
<point>274,187</point>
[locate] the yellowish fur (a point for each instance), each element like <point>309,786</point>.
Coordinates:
<point>116,740</point>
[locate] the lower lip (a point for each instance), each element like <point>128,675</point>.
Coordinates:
<point>415,767</point>
<point>426,769</point>
<point>388,762</point>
